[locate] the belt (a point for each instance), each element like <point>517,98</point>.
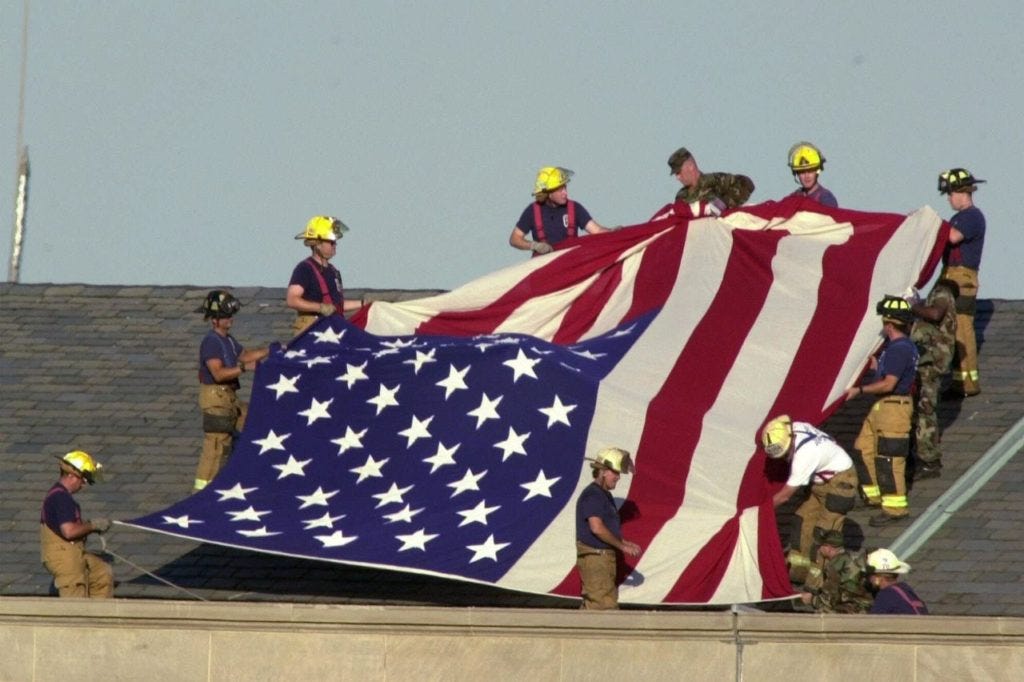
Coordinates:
<point>586,550</point>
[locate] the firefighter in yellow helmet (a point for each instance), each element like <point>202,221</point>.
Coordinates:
<point>62,532</point>
<point>961,261</point>
<point>222,361</point>
<point>315,289</point>
<point>883,445</point>
<point>598,531</point>
<point>815,459</point>
<point>552,217</point>
<point>806,163</point>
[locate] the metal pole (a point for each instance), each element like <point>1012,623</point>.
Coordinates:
<point>21,189</point>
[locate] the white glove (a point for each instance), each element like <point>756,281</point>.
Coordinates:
<point>541,247</point>
<point>327,309</point>
<point>914,297</point>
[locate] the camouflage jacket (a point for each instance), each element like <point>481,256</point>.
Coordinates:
<point>936,342</point>
<point>838,587</point>
<point>731,190</point>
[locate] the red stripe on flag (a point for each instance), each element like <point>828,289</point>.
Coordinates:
<point>588,306</point>
<point>600,252</point>
<point>845,286</point>
<point>673,421</point>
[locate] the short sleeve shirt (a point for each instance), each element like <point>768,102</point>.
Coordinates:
<point>304,275</point>
<point>59,507</point>
<point>816,456</point>
<point>898,599</point>
<point>595,501</point>
<point>899,359</point>
<point>970,222</point>
<point>555,220</point>
<point>819,194</point>
<point>224,348</point>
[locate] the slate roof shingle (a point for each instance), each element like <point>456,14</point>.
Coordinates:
<point>111,370</point>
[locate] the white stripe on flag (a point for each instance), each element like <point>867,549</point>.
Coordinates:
<point>738,411</point>
<point>630,386</point>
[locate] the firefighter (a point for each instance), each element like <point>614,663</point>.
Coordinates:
<point>806,163</point>
<point>315,289</point>
<point>598,531</point>
<point>961,261</point>
<point>882,447</point>
<point>552,216</point>
<point>222,360</point>
<point>891,595</point>
<point>815,459</point>
<point>62,533</point>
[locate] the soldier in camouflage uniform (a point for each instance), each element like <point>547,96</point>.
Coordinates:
<point>707,193</point>
<point>839,586</point>
<point>934,332</point>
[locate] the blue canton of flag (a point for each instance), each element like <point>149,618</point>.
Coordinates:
<point>438,455</point>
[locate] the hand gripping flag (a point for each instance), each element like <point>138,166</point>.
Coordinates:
<point>447,435</point>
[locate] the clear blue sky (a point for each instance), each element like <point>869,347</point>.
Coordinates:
<point>188,142</point>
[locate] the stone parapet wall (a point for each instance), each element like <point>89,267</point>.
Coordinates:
<point>54,639</point>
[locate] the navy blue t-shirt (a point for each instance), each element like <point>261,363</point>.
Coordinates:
<point>899,359</point>
<point>891,600</point>
<point>305,277</point>
<point>595,501</point>
<point>58,508</point>
<point>555,220</point>
<point>224,348</point>
<point>971,224</point>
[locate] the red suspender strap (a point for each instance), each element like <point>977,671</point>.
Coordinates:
<point>538,222</point>
<point>325,294</point>
<point>913,603</point>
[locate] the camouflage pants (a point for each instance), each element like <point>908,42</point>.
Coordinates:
<point>881,451</point>
<point>597,572</point>
<point>926,420</point>
<point>965,364</point>
<point>223,415</point>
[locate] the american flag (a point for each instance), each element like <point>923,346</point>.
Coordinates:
<point>448,435</point>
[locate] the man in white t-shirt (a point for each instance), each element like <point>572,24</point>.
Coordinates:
<point>815,459</point>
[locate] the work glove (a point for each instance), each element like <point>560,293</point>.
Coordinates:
<point>327,309</point>
<point>100,525</point>
<point>914,297</point>
<point>541,247</point>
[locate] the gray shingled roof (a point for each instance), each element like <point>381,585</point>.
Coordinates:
<point>112,370</point>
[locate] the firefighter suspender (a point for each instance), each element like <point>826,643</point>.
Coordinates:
<point>538,221</point>
<point>325,293</point>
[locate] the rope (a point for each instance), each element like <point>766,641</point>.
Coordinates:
<point>107,550</point>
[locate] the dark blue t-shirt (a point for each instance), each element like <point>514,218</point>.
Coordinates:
<point>595,501</point>
<point>555,220</point>
<point>890,600</point>
<point>819,194</point>
<point>225,348</point>
<point>59,507</point>
<point>899,358</point>
<point>304,275</point>
<point>971,224</point>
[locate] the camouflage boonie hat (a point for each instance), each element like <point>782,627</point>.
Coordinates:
<point>678,158</point>
<point>833,538</point>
